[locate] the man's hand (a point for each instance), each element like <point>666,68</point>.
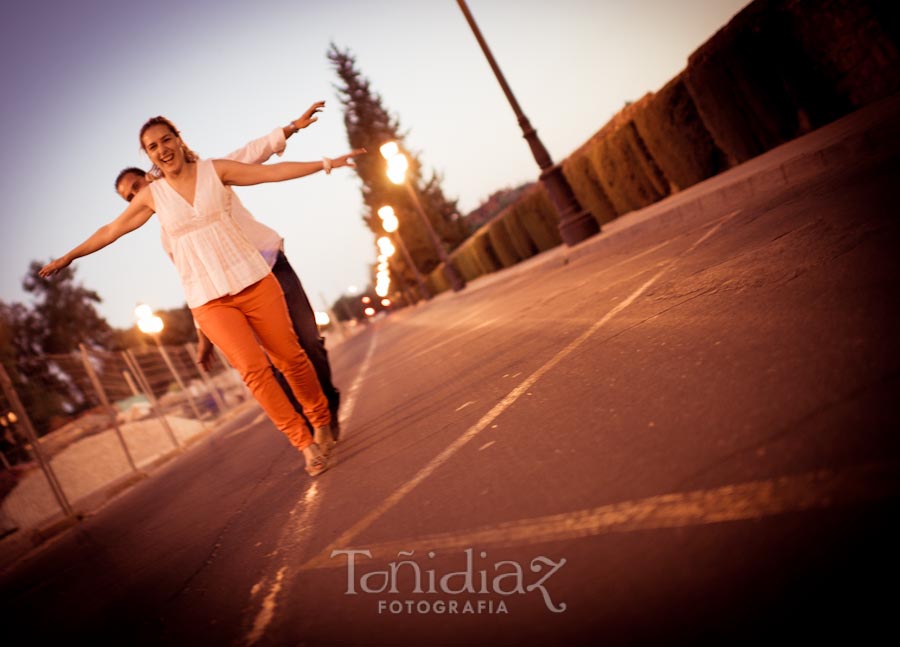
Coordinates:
<point>309,117</point>
<point>204,351</point>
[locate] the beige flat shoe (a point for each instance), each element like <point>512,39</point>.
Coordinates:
<point>324,439</point>
<point>315,460</point>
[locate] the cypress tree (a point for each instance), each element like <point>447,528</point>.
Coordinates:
<point>369,125</point>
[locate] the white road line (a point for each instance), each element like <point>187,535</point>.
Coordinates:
<point>751,500</point>
<point>400,493</point>
<point>265,615</point>
<point>297,530</point>
<point>352,395</point>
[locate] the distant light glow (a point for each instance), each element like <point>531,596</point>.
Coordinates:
<point>389,150</point>
<point>322,318</point>
<point>386,247</point>
<point>386,303</point>
<point>389,220</point>
<point>369,311</point>
<point>150,325</point>
<point>396,170</point>
<point>143,311</point>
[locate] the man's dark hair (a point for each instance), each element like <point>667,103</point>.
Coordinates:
<point>127,171</point>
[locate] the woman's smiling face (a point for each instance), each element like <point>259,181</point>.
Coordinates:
<point>164,148</point>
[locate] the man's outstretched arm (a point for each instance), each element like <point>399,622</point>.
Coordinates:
<point>259,150</point>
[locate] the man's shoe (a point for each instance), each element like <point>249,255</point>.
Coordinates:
<point>335,427</point>
<point>334,406</point>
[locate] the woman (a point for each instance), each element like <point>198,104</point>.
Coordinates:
<point>228,285</point>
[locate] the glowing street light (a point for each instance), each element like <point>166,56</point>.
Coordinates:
<point>143,311</point>
<point>389,220</point>
<point>390,224</point>
<point>148,322</point>
<point>385,246</point>
<point>397,165</point>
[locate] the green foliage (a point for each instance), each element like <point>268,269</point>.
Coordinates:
<point>64,312</point>
<point>437,281</point>
<point>502,244</point>
<point>676,137</point>
<point>582,177</point>
<point>535,214</point>
<point>518,236</point>
<point>484,252</point>
<point>63,316</point>
<point>369,125</point>
<point>465,259</point>
<point>626,170</point>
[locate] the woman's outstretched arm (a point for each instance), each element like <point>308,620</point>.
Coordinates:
<point>238,174</point>
<point>136,214</point>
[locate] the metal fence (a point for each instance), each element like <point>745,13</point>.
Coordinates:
<point>109,417</point>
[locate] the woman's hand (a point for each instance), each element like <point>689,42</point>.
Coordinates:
<point>53,267</point>
<point>347,160</point>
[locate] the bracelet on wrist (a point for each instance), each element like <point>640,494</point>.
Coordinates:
<point>326,165</point>
<point>292,127</point>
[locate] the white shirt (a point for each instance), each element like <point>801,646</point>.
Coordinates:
<point>265,239</point>
<point>211,253</point>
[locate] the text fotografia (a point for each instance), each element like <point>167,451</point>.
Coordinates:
<point>504,578</point>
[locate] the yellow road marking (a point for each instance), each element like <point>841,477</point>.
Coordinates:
<point>504,404</point>
<point>751,500</point>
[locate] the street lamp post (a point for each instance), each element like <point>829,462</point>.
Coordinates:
<point>575,223</point>
<point>390,225</point>
<point>397,167</point>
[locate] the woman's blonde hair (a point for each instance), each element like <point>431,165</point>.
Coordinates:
<point>155,172</point>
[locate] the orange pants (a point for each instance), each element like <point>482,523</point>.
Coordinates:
<point>244,324</point>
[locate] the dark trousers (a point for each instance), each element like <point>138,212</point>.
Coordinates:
<point>304,320</point>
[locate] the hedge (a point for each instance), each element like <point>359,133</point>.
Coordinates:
<point>676,137</point>
<point>736,88</point>
<point>484,251</point>
<point>466,261</point>
<point>502,244</point>
<point>535,214</point>
<point>778,69</point>
<point>839,55</point>
<point>518,236</point>
<point>627,172</point>
<point>582,177</point>
<point>436,281</point>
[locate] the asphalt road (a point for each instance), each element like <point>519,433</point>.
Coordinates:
<point>685,435</point>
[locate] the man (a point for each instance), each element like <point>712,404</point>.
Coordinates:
<point>271,246</point>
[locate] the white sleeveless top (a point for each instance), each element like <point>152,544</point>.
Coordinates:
<point>211,254</point>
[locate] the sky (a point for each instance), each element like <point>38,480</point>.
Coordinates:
<point>80,78</point>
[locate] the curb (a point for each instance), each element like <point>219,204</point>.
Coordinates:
<point>862,138</point>
<point>19,544</point>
